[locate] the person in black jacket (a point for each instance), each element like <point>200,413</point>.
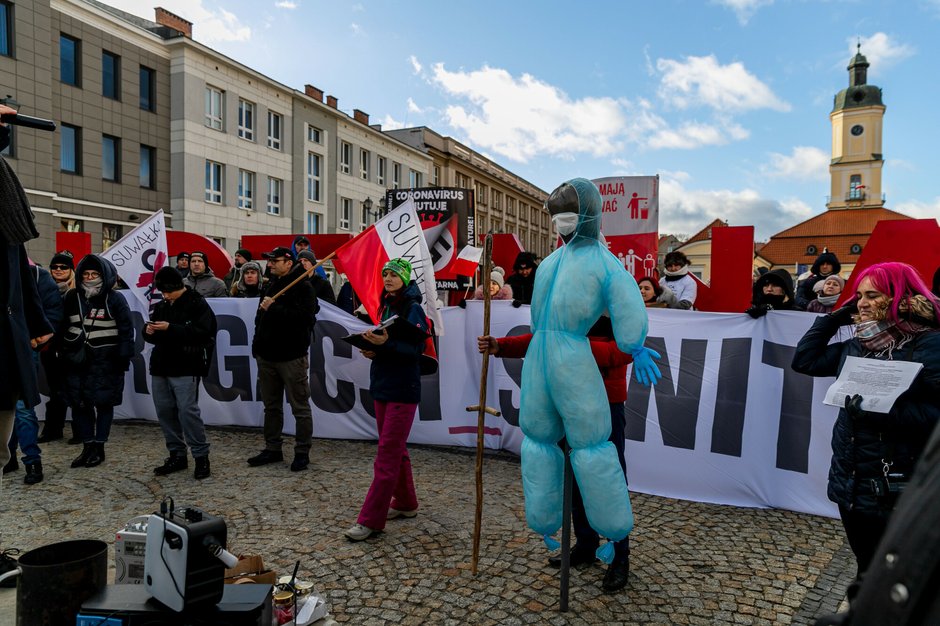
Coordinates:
<point>522,280</point>
<point>281,345</point>
<point>62,270</point>
<point>182,329</point>
<point>395,385</point>
<point>321,286</point>
<point>773,291</point>
<point>873,453</point>
<point>826,265</point>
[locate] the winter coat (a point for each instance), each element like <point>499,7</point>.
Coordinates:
<point>818,307</point>
<point>685,290</point>
<point>185,348</point>
<point>322,288</point>
<point>395,374</point>
<point>804,292</point>
<point>206,284</point>
<point>244,291</point>
<point>505,293</point>
<point>859,445</point>
<point>49,295</point>
<point>522,287</point>
<point>104,323</point>
<point>22,319</point>
<point>779,277</point>
<point>282,333</point>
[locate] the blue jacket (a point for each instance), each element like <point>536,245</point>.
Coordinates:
<point>396,368</point>
<point>859,445</point>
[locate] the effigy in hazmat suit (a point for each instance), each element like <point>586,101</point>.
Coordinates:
<point>563,393</point>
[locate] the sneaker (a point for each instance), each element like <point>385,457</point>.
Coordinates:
<point>265,457</point>
<point>396,513</point>
<point>202,468</point>
<point>173,463</point>
<point>33,473</point>
<point>358,532</point>
<point>300,463</point>
<point>7,564</point>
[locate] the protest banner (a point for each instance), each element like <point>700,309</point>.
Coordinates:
<point>138,256</point>
<point>630,220</point>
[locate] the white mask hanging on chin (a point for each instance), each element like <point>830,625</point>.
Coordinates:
<point>565,223</point>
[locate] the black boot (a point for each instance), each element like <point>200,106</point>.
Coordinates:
<point>33,473</point>
<point>300,462</point>
<point>580,557</point>
<point>96,457</point>
<point>616,577</point>
<point>202,468</point>
<point>12,465</point>
<point>48,434</point>
<point>173,463</point>
<point>87,450</point>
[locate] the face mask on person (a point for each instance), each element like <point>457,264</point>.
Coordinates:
<point>565,223</point>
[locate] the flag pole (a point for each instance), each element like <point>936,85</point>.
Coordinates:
<point>481,408</point>
<point>306,274</point>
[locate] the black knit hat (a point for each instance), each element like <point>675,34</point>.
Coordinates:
<point>63,258</point>
<point>168,279</point>
<point>245,253</point>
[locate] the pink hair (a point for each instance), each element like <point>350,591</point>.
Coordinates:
<point>900,282</point>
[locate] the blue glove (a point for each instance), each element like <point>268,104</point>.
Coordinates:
<point>644,367</point>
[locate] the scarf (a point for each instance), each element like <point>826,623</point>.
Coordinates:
<point>882,337</point>
<point>92,287</point>
<point>677,275</point>
<point>828,300</point>
<point>16,218</point>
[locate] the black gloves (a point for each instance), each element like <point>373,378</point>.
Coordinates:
<point>517,303</point>
<point>853,407</point>
<point>843,315</point>
<point>684,304</point>
<point>759,310</point>
<point>462,304</point>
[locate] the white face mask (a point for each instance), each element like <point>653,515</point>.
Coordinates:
<point>565,223</point>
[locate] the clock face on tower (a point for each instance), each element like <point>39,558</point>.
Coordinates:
<point>857,130</point>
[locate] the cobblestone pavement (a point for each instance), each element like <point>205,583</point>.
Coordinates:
<point>691,563</point>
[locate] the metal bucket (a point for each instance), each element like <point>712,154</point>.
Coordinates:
<point>56,579</point>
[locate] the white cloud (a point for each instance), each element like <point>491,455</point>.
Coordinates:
<point>691,135</point>
<point>523,117</point>
<point>210,24</point>
<point>390,123</point>
<point>413,107</point>
<point>285,4</point>
<point>881,51</point>
<point>355,28</point>
<point>415,64</point>
<point>744,9</point>
<point>702,80</point>
<point>803,163</point>
<point>919,208</point>
<point>684,210</point>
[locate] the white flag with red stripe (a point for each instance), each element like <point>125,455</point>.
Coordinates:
<point>397,235</point>
<point>468,261</point>
<point>139,255</point>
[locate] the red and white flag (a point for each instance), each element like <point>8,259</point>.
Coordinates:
<point>139,255</point>
<point>468,261</point>
<point>397,235</point>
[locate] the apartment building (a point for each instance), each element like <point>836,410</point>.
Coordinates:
<point>505,202</point>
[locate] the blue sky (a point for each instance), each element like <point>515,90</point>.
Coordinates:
<point>727,100</point>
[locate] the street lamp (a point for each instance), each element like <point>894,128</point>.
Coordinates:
<point>367,204</point>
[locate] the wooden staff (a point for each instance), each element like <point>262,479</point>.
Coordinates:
<point>481,408</point>
<point>306,274</point>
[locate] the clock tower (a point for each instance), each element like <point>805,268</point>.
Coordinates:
<point>856,118</point>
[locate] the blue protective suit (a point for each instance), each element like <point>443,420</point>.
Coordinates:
<point>562,390</point>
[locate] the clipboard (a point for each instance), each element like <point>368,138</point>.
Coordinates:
<point>358,340</point>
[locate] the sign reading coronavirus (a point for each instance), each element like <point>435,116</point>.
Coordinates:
<point>630,220</point>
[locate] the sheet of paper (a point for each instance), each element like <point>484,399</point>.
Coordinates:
<point>878,382</point>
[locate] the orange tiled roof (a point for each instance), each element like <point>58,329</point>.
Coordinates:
<point>836,230</point>
<point>705,233</point>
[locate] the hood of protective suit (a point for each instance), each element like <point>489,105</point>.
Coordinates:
<point>581,197</point>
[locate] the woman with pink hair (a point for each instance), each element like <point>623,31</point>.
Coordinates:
<point>895,318</point>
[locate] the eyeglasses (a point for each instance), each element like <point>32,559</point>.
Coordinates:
<point>90,274</point>
<point>59,267</point>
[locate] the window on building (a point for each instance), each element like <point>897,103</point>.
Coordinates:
<point>246,120</point>
<point>481,194</point>
<point>381,164</point>
<point>364,158</point>
<point>70,60</point>
<point>148,164</point>
<point>72,226</point>
<point>110,235</point>
<point>812,250</point>
<point>856,189</point>
<point>313,177</point>
<point>855,249</point>
<point>313,223</point>
<point>275,124</point>
<point>345,157</point>
<point>523,212</point>
<point>6,28</point>
<point>70,153</point>
<point>497,196</point>
<point>214,182</point>
<point>110,75</point>
<point>275,185</point>
<point>111,158</point>
<point>246,190</point>
<point>436,176</point>
<point>345,213</point>
<point>214,102</point>
<point>396,175</point>
<point>363,217</point>
<point>462,180</point>
<point>314,134</point>
<point>510,206</point>
<point>148,89</point>
<point>415,179</point>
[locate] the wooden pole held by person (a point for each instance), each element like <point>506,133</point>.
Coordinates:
<point>306,274</point>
